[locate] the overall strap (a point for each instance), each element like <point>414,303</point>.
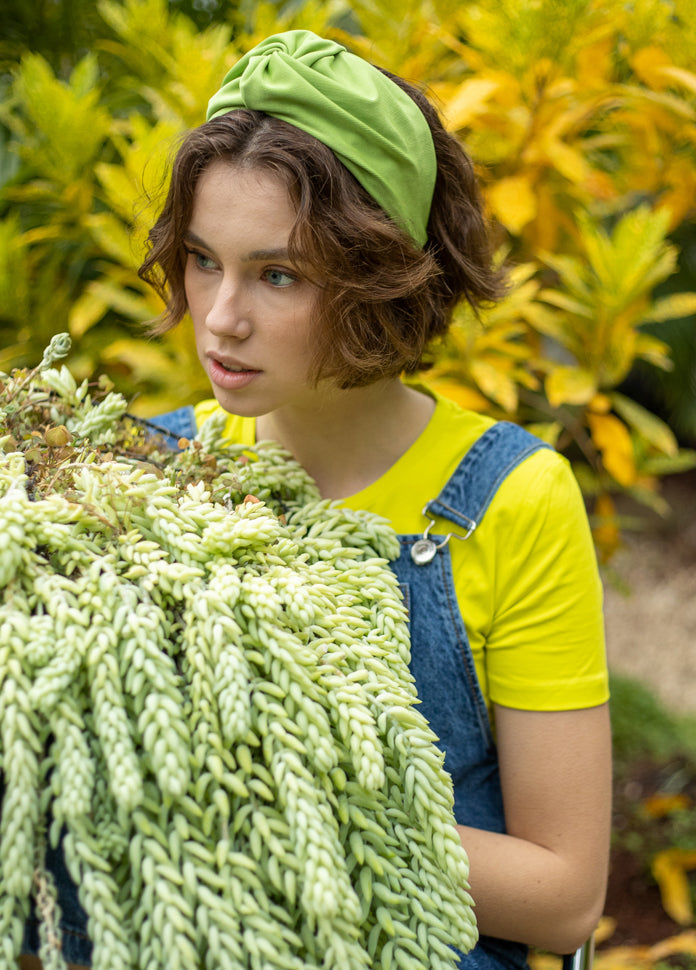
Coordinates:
<point>173,425</point>
<point>489,461</point>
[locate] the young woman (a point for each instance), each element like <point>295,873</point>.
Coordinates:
<point>319,230</point>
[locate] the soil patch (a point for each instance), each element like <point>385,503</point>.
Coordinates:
<point>650,613</point>
<point>653,811</point>
<point>650,600</point>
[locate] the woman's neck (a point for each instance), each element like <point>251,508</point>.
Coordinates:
<point>354,436</point>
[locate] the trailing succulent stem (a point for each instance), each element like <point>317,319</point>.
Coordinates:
<point>205,694</point>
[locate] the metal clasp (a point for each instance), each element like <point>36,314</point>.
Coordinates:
<point>425,549</point>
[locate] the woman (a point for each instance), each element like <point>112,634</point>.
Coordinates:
<point>319,229</point>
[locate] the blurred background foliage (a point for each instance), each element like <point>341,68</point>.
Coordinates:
<point>580,116</point>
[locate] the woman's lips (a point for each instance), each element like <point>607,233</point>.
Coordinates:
<point>228,379</point>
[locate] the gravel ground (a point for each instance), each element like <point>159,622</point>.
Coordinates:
<point>651,625</point>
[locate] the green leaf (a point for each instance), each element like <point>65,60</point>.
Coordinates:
<point>548,431</point>
<point>634,258</point>
<point>648,425</point>
<point>662,465</point>
<point>649,498</point>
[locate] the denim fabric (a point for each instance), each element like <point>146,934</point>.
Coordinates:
<point>176,424</point>
<point>441,658</point>
<point>77,947</point>
<point>441,662</point>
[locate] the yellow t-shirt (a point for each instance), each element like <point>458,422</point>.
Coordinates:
<point>526,580</point>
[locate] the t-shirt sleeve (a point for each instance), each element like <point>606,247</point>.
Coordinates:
<point>545,648</point>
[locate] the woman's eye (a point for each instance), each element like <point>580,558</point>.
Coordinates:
<point>277,277</point>
<point>204,262</point>
<point>201,260</point>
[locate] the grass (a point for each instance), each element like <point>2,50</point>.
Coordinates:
<point>643,727</point>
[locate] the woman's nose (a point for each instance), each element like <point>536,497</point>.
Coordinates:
<point>230,314</point>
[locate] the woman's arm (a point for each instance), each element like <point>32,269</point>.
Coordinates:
<point>544,882</point>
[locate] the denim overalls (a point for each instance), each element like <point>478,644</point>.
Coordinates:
<point>441,658</point>
<point>441,662</point>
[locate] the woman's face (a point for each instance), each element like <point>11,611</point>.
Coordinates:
<point>251,306</point>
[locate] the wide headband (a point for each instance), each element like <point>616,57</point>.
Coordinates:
<point>373,127</point>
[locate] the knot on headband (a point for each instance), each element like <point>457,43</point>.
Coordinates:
<point>373,127</point>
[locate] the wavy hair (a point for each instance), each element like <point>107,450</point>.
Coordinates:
<point>382,299</point>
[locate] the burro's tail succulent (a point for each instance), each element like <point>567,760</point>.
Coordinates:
<point>204,684</point>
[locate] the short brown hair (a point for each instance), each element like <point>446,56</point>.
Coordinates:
<point>383,299</point>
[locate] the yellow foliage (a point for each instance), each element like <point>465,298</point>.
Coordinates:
<point>63,125</point>
<point>605,526</point>
<point>682,945</point>
<point>649,64</point>
<point>580,116</point>
<point>513,202</point>
<point>570,385</point>
<point>670,868</point>
<point>611,437</point>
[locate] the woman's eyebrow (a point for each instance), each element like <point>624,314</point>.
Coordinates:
<point>257,254</point>
<point>191,237</point>
<point>281,253</point>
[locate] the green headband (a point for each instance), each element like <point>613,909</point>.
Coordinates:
<point>370,124</point>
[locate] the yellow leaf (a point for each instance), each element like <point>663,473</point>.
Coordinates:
<point>649,63</point>
<point>595,63</point>
<point>570,385</point>
<point>679,195</point>
<point>612,439</point>
<point>550,220</point>
<point>600,403</point>
<point>567,160</point>
<point>605,929</point>
<point>605,527</point>
<point>43,234</point>
<point>495,384</point>
<point>682,943</point>
<point>671,307</point>
<point>125,301</point>
<point>678,74</point>
<point>661,804</point>
<point>144,359</point>
<point>648,957</point>
<point>669,869</point>
<point>656,351</point>
<point>513,202</point>
<point>544,320</point>
<point>564,302</point>
<point>87,310</point>
<point>469,101</point>
<point>466,397</point>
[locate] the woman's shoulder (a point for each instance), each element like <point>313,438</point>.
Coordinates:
<point>460,437</point>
